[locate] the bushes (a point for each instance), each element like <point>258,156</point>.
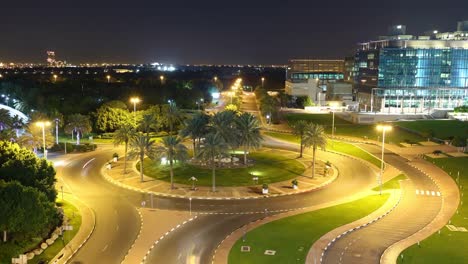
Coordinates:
<point>85,147</point>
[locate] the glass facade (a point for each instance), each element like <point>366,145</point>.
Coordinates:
<point>424,68</point>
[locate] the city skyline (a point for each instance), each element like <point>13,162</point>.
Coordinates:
<point>210,33</point>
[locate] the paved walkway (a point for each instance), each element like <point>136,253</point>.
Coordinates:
<point>131,180</point>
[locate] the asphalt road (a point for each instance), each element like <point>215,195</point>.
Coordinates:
<point>412,214</point>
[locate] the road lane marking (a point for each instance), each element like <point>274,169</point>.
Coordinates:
<point>104,249</point>
<point>89,161</point>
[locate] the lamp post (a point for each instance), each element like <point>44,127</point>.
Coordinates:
<point>383,128</point>
<point>161,78</point>
<point>56,130</point>
<point>43,124</point>
<point>55,77</point>
<point>263,81</point>
<point>108,78</point>
<point>190,205</point>
<point>134,100</point>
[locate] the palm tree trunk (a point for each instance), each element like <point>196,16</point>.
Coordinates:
<point>213,176</point>
<point>77,138</point>
<point>125,158</point>
<point>194,147</point>
<point>172,173</point>
<point>313,161</point>
<point>141,168</point>
<point>245,156</point>
<point>302,146</point>
<point>4,235</point>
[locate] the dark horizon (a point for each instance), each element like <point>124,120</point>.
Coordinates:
<point>207,32</point>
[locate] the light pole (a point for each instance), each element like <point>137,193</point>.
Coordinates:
<point>55,77</point>
<point>56,130</point>
<point>134,100</point>
<point>43,125</point>
<point>108,78</point>
<point>383,128</point>
<point>161,78</point>
<point>190,205</point>
<point>263,81</point>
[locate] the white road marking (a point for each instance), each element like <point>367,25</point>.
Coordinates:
<point>89,161</point>
<point>104,249</point>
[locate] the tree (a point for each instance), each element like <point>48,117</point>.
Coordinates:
<point>17,124</point>
<point>149,122</point>
<point>33,138</point>
<point>109,119</point>
<point>79,124</point>
<point>173,149</point>
<point>5,119</point>
<point>213,147</point>
<point>140,146</point>
<point>196,128</point>
<point>314,137</point>
<point>173,116</point>
<point>19,164</point>
<point>299,128</point>
<point>223,124</point>
<point>24,210</point>
<point>249,133</point>
<point>124,135</point>
<point>459,142</point>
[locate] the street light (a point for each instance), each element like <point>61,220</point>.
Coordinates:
<point>55,77</point>
<point>43,124</point>
<point>231,94</point>
<point>108,78</point>
<point>134,100</point>
<point>215,79</point>
<point>383,128</point>
<point>263,80</point>
<point>161,78</point>
<point>56,130</point>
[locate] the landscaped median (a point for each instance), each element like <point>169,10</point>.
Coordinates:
<point>448,245</point>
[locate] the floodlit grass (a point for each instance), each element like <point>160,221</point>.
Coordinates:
<point>442,129</point>
<point>9,250</point>
<point>345,128</point>
<point>391,184</point>
<point>269,167</point>
<point>337,146</point>
<point>293,236</point>
<point>448,247</point>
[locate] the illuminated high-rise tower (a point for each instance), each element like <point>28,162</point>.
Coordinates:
<point>51,58</point>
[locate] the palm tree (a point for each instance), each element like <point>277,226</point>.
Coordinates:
<point>141,146</point>
<point>314,137</point>
<point>173,149</point>
<point>249,133</point>
<point>196,128</point>
<point>148,122</point>
<point>172,116</point>
<point>79,124</point>
<point>5,119</point>
<point>223,124</point>
<point>299,128</point>
<point>17,124</point>
<point>213,147</point>
<point>124,135</point>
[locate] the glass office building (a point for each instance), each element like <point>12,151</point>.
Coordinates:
<point>415,74</point>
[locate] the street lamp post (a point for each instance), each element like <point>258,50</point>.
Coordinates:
<point>108,78</point>
<point>55,77</point>
<point>382,128</point>
<point>43,125</point>
<point>263,81</point>
<point>134,100</point>
<point>190,205</point>
<point>161,78</point>
<point>56,131</point>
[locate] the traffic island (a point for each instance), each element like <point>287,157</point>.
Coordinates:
<point>239,183</point>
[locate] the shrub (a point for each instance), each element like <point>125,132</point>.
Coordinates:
<point>294,182</point>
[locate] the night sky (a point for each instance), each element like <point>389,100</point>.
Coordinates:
<point>229,32</point>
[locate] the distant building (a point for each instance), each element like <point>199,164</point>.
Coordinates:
<point>51,58</point>
<point>307,77</point>
<point>414,74</point>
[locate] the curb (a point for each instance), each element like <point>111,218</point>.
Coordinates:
<point>138,236</point>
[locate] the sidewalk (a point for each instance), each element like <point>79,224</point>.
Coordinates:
<point>155,224</point>
<point>131,180</point>
<point>86,229</point>
<point>450,201</point>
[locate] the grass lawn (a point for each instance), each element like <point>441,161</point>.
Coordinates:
<point>293,236</point>
<point>448,247</point>
<point>345,128</point>
<point>9,250</point>
<point>391,184</point>
<point>269,168</point>
<point>442,129</point>
<point>337,146</point>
